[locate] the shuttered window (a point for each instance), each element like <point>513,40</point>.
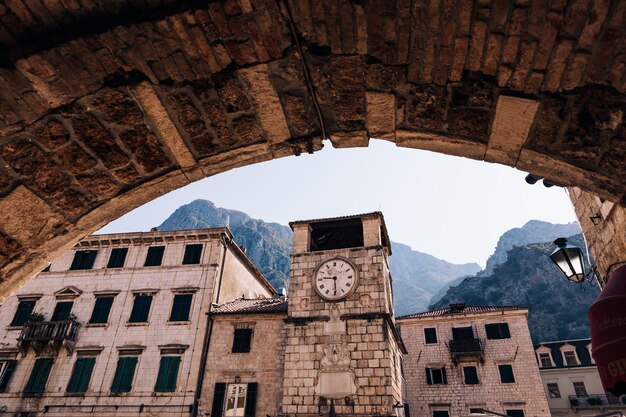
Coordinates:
<point>181,307</point>
<point>430,335</point>
<point>154,256</point>
<point>515,413</point>
<point>24,310</point>
<point>141,309</point>
<point>83,259</point>
<point>193,254</point>
<point>241,340</point>
<point>62,310</point>
<point>506,374</point>
<point>470,374</point>
<point>441,413</point>
<point>497,331</point>
<point>117,258</point>
<point>219,395</point>
<point>6,372</point>
<point>79,381</point>
<point>39,376</point>
<point>234,400</point>
<point>436,376</point>
<point>123,380</point>
<point>168,373</point>
<point>101,310</point>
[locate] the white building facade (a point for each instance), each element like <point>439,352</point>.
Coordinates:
<point>571,380</point>
<point>463,359</point>
<point>119,324</point>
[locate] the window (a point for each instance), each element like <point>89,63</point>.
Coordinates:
<point>553,390</point>
<point>62,310</point>
<point>462,333</point>
<point>441,413</point>
<point>181,307</point>
<point>39,376</point>
<point>83,259</point>
<point>117,258</point>
<point>23,312</point>
<point>124,374</point>
<point>515,413</point>
<point>570,358</point>
<point>471,375</point>
<point>476,411</point>
<point>241,340</point>
<point>154,256</point>
<point>436,376</point>
<point>430,335</point>
<point>168,373</point>
<point>6,371</point>
<point>546,361</point>
<point>192,254</point>
<point>579,388</point>
<point>506,374</point>
<point>101,310</point>
<point>141,308</point>
<point>234,400</point>
<point>79,381</point>
<point>497,331</point>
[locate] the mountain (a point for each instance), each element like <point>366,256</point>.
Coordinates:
<point>268,245</point>
<point>532,232</point>
<point>416,275</point>
<point>557,307</point>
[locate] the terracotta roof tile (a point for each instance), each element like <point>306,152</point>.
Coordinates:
<point>256,306</point>
<point>454,309</point>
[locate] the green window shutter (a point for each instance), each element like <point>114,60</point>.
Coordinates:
<point>192,254</point>
<point>83,259</point>
<point>444,376</point>
<point>123,380</point>
<point>39,376</point>
<point>24,310</point>
<point>181,307</point>
<point>62,310</point>
<point>154,256</point>
<point>6,375</point>
<point>218,399</point>
<point>117,258</point>
<point>251,400</point>
<point>141,308</point>
<point>168,374</point>
<point>79,382</point>
<point>101,310</point>
<point>241,340</point>
<point>429,379</point>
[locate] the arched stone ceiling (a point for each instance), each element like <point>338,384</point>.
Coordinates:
<point>107,104</point>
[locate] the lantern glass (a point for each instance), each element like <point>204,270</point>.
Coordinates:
<point>569,259</point>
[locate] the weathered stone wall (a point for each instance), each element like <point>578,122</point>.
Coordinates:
<point>605,233</point>
<point>525,393</point>
<point>103,108</point>
<point>263,364</point>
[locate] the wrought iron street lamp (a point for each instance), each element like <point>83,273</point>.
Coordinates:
<point>569,259</point>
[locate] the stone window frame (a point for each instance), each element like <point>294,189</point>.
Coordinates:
<point>557,392</point>
<point>567,348</point>
<point>84,352</point>
<point>542,351</point>
<point>152,292</point>
<point>23,297</point>
<point>126,351</point>
<point>102,294</point>
<point>183,291</point>
<point>243,326</point>
<point>438,407</point>
<point>434,328</point>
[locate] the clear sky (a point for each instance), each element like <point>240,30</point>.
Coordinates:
<point>452,208</point>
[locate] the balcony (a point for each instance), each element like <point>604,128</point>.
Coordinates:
<point>51,335</point>
<point>467,350</point>
<point>595,401</point>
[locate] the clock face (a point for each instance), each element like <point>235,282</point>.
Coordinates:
<point>335,279</point>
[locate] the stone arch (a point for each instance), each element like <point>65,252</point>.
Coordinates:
<point>105,107</point>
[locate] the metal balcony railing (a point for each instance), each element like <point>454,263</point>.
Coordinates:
<point>594,400</point>
<point>49,333</point>
<point>469,348</point>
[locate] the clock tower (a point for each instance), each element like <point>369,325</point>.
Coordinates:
<point>343,351</point>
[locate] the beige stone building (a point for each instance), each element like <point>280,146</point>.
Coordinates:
<point>462,359</point>
<point>124,322</point>
<point>571,380</point>
<point>181,323</point>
